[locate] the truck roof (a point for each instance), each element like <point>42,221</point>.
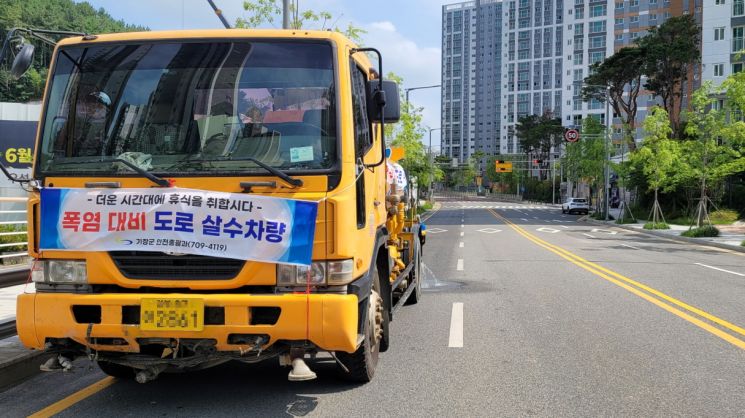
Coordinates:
<point>211,34</point>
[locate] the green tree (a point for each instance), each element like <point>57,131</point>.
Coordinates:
<point>539,134</point>
<point>619,77</point>
<point>670,51</point>
<point>262,12</point>
<point>715,149</point>
<point>658,158</point>
<point>64,15</point>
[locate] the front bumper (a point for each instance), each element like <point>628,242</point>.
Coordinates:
<point>332,323</point>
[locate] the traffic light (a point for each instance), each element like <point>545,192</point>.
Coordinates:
<point>537,162</point>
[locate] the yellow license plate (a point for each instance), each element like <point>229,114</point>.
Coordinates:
<point>172,314</point>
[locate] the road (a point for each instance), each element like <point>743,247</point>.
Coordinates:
<point>526,312</point>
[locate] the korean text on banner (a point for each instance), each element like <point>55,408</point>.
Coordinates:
<point>187,221</point>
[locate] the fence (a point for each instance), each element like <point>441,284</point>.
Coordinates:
<point>13,227</point>
<point>447,194</point>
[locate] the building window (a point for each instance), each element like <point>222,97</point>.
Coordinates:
<point>738,7</point>
<point>619,21</point>
<point>578,58</point>
<point>737,38</point>
<point>718,1</point>
<point>619,5</point>
<point>635,3</point>
<point>598,10</point>
<point>718,34</point>
<point>634,19</point>
<point>619,37</point>
<point>579,12</point>
<point>597,26</point>
<point>718,70</point>
<point>597,57</point>
<point>737,67</point>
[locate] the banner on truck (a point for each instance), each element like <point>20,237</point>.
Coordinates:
<point>181,221</point>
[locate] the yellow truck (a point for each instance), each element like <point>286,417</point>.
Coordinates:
<point>153,145</point>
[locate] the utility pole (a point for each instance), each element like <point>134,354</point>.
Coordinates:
<point>608,122</point>
<point>285,14</point>
<point>431,163</point>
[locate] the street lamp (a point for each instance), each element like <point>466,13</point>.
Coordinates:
<point>418,88</point>
<point>431,162</point>
<point>608,121</point>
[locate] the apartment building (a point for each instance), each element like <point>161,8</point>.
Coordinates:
<point>722,39</point>
<point>471,72</point>
<point>545,53</point>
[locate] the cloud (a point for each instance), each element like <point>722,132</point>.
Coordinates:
<point>419,66</point>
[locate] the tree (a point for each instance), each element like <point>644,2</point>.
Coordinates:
<point>64,15</point>
<point>539,134</point>
<point>715,149</point>
<point>670,50</point>
<point>619,77</point>
<point>658,159</point>
<point>265,11</point>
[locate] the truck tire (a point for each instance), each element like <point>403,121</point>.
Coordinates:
<point>361,364</point>
<point>416,276</point>
<point>116,370</point>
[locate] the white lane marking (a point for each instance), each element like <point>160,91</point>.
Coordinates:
<point>717,268</point>
<point>588,235</point>
<point>456,326</point>
<point>604,231</point>
<point>631,246</point>
<point>461,234</point>
<point>524,219</point>
<point>436,230</point>
<point>461,245</point>
<point>459,267</point>
<point>489,230</point>
<point>564,226</point>
<point>549,230</point>
<point>462,225</point>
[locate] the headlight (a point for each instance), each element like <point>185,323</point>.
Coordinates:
<point>59,271</point>
<point>322,273</point>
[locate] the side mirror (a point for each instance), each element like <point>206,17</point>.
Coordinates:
<point>23,61</point>
<point>388,96</point>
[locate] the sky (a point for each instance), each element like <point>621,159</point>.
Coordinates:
<point>407,32</point>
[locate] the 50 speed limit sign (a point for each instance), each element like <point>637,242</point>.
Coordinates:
<point>571,135</point>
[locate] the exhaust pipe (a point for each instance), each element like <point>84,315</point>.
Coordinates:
<point>149,374</point>
<point>300,371</point>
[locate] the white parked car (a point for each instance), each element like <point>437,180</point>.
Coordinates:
<point>575,204</point>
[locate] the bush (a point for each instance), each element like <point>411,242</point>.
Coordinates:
<point>424,208</point>
<point>742,243</point>
<point>639,212</point>
<point>704,231</point>
<point>658,225</point>
<point>680,220</point>
<point>723,216</point>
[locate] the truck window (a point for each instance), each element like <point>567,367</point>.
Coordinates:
<point>192,108</point>
<point>362,137</point>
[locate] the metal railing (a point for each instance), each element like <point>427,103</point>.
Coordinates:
<point>9,217</point>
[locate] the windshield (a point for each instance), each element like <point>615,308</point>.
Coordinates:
<point>190,108</point>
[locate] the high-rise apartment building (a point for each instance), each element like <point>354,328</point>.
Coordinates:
<point>471,50</point>
<point>545,53</point>
<point>722,39</point>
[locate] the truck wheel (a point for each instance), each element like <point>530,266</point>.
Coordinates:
<point>116,370</point>
<point>416,276</point>
<point>361,363</point>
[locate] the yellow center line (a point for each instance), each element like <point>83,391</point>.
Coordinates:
<point>76,397</point>
<point>606,274</point>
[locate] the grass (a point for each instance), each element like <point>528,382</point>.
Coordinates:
<point>658,225</point>
<point>742,244</point>
<point>424,208</point>
<point>600,216</point>
<point>680,220</point>
<point>10,239</point>
<point>724,216</point>
<point>704,231</point>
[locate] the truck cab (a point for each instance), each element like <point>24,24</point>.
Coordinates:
<point>223,114</point>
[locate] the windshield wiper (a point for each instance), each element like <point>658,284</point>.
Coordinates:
<point>141,171</point>
<point>279,173</point>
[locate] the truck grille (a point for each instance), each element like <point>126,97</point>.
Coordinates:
<point>146,265</point>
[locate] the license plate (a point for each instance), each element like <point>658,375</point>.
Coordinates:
<point>172,314</point>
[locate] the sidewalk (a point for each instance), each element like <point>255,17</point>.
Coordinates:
<point>730,236</point>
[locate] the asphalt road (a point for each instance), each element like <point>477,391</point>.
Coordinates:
<point>559,318</point>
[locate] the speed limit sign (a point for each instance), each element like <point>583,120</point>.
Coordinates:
<point>571,135</point>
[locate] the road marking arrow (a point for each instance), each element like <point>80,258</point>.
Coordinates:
<point>436,230</point>
<point>549,230</point>
<point>489,230</point>
<point>605,231</point>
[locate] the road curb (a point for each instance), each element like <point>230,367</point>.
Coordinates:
<point>18,363</point>
<point>435,207</point>
<point>676,238</point>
